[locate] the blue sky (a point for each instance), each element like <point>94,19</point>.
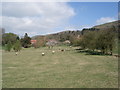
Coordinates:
<point>46,18</point>
<point>88,13</point>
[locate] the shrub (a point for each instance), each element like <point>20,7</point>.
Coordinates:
<point>17,46</point>
<point>8,46</point>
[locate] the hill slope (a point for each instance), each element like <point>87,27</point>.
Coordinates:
<point>61,36</point>
<point>66,35</point>
<point>108,25</point>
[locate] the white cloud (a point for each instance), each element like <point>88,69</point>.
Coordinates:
<point>103,20</point>
<point>37,0</point>
<point>35,18</point>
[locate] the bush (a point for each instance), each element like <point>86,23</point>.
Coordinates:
<point>103,40</point>
<point>8,46</point>
<point>17,46</point>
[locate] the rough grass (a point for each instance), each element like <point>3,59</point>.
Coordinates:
<point>67,69</point>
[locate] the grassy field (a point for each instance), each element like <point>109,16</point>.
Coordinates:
<point>68,69</point>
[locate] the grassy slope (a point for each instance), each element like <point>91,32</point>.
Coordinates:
<point>63,69</point>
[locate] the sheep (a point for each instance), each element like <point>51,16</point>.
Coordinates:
<point>116,55</point>
<point>53,52</point>
<point>62,50</point>
<point>43,54</point>
<point>16,53</point>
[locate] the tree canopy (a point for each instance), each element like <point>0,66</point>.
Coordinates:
<point>26,41</point>
<point>9,37</point>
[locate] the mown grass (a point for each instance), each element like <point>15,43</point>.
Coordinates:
<point>69,69</point>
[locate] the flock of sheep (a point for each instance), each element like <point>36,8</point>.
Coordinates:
<point>43,54</point>
<point>53,52</point>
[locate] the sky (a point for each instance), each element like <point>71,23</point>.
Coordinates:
<point>40,18</point>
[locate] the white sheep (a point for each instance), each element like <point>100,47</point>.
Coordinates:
<point>43,54</point>
<point>53,52</point>
<point>16,53</point>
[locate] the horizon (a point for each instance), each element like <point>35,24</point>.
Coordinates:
<point>48,18</point>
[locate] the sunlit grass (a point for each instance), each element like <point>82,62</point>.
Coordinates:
<point>69,69</point>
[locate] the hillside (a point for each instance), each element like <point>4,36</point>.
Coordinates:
<point>66,35</point>
<point>61,36</point>
<point>114,25</point>
<point>108,25</point>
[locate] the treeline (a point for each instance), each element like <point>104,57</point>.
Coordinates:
<point>93,39</point>
<point>103,40</point>
<point>12,41</point>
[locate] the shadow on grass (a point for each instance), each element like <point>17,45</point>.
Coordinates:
<point>90,52</point>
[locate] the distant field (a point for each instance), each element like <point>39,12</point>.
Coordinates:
<point>68,69</point>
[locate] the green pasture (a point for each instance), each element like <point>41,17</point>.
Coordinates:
<point>67,69</point>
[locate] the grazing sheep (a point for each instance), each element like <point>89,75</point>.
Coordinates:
<point>53,52</point>
<point>43,54</point>
<point>116,55</point>
<point>16,53</point>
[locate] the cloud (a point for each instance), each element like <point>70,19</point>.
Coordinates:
<point>35,18</point>
<point>60,0</point>
<point>103,20</point>
<point>38,1</point>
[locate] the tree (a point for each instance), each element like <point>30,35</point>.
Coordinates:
<point>111,35</point>
<point>106,40</point>
<point>8,46</point>
<point>82,43</point>
<point>103,40</point>
<point>41,41</point>
<point>17,46</point>
<point>88,40</point>
<point>9,37</point>
<point>17,38</point>
<point>74,41</point>
<point>26,41</point>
